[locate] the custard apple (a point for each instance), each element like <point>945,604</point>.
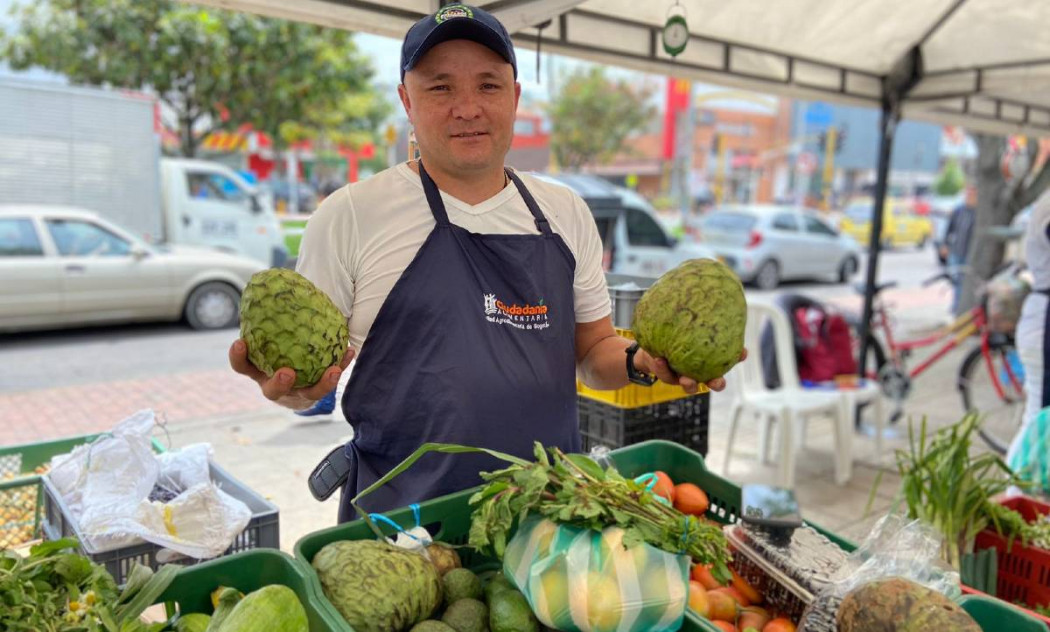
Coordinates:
<point>376,586</point>
<point>287,322</point>
<point>694,316</point>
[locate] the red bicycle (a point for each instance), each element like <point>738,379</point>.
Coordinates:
<point>990,378</point>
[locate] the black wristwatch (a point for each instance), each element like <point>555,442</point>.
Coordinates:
<point>633,374</point>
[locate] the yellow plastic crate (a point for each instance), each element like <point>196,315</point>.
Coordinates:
<point>635,395</point>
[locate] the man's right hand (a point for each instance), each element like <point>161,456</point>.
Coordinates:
<point>279,387</point>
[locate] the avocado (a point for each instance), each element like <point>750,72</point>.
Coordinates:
<point>509,611</point>
<point>467,615</point>
<point>497,583</point>
<point>460,583</point>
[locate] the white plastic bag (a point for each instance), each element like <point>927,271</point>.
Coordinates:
<point>106,486</point>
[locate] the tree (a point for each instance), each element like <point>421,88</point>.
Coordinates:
<point>998,200</point>
<point>592,115</point>
<point>951,180</point>
<point>214,69</point>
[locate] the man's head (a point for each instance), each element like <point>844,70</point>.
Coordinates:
<point>971,195</point>
<point>459,89</point>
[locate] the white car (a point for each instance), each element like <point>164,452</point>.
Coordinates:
<point>62,266</point>
<point>768,244</point>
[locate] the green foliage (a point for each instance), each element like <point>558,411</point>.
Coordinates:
<point>951,179</point>
<point>591,116</point>
<point>215,69</point>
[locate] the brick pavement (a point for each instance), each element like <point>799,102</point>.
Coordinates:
<point>38,415</point>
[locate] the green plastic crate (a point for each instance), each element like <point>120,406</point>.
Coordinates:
<point>995,615</point>
<point>448,518</point>
<point>21,492</point>
<point>247,572</point>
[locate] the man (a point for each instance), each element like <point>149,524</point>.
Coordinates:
<point>474,295</point>
<point>956,246</point>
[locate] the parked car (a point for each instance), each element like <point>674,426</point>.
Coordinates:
<point>900,225</point>
<point>634,240</point>
<point>768,244</point>
<point>63,266</point>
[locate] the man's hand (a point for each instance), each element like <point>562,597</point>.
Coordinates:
<point>279,387</point>
<point>645,362</point>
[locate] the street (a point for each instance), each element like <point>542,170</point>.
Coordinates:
<point>62,383</point>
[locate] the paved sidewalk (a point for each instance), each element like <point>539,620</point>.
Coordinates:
<point>38,415</point>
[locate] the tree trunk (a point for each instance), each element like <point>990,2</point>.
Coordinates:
<point>986,253</point>
<point>186,139</point>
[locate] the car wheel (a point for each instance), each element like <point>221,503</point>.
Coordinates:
<point>213,306</point>
<point>847,269</point>
<point>768,276</point>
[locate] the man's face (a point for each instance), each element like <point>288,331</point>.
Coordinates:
<point>461,98</point>
<point>971,196</point>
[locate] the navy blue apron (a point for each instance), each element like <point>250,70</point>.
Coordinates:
<point>475,344</point>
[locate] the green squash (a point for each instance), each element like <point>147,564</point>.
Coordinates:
<point>273,608</point>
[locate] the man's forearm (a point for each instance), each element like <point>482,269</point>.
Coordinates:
<point>605,366</point>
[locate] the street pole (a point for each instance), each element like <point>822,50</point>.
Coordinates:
<point>829,168</point>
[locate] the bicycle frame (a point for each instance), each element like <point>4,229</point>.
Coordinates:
<point>964,326</point>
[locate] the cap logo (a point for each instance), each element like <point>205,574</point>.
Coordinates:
<point>453,11</point>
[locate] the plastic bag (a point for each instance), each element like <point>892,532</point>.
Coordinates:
<point>1028,456</point>
<point>581,580</point>
<point>1006,293</point>
<point>896,547</point>
<point>107,484</point>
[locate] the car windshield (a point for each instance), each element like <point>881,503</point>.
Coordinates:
<point>729,221</point>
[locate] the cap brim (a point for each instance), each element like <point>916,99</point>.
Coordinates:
<point>467,29</point>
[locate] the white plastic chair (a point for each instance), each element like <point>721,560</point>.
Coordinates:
<point>791,405</point>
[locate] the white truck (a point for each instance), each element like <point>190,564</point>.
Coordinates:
<point>100,150</point>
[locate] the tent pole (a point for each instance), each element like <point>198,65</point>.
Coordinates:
<point>887,131</point>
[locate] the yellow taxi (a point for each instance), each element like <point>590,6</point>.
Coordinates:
<point>900,225</point>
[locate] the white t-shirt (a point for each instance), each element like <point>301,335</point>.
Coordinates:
<point>362,237</point>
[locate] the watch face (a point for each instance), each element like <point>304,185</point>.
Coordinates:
<point>675,35</point>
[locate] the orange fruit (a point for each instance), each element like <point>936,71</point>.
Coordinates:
<point>702,574</point>
<point>725,626</point>
<point>698,599</point>
<point>744,588</point>
<point>664,486</point>
<point>736,596</point>
<point>779,624</point>
<point>753,617</point>
<point>723,606</point>
<point>690,499</point>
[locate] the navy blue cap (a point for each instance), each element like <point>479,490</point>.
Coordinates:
<point>456,21</point>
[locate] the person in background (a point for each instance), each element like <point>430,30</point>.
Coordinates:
<point>1032,330</point>
<point>956,246</point>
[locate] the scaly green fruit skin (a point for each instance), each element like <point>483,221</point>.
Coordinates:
<point>287,322</point>
<point>376,586</point>
<point>694,316</point>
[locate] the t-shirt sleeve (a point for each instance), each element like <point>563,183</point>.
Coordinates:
<point>327,248</point>
<point>591,296</point>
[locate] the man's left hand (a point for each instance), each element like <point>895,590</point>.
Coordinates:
<point>662,370</point>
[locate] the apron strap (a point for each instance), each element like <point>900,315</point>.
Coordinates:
<point>541,222</point>
<point>437,205</point>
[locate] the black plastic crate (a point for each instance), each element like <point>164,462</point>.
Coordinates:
<point>263,530</point>
<point>684,421</point>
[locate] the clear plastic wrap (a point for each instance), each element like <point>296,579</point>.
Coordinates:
<point>896,547</point>
<point>580,580</point>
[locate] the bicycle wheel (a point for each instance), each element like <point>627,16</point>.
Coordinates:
<point>994,388</point>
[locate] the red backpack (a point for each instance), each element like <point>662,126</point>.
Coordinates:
<point>824,345</point>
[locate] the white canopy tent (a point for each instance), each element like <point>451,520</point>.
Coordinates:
<point>981,64</point>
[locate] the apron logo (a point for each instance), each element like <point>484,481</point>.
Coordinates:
<point>453,11</point>
<point>528,317</point>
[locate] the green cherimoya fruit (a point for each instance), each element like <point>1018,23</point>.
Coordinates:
<point>287,322</point>
<point>275,608</point>
<point>467,615</point>
<point>432,626</point>
<point>496,584</point>
<point>509,611</point>
<point>461,583</point>
<point>193,622</point>
<point>899,605</point>
<point>694,316</point>
<point>376,586</point>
